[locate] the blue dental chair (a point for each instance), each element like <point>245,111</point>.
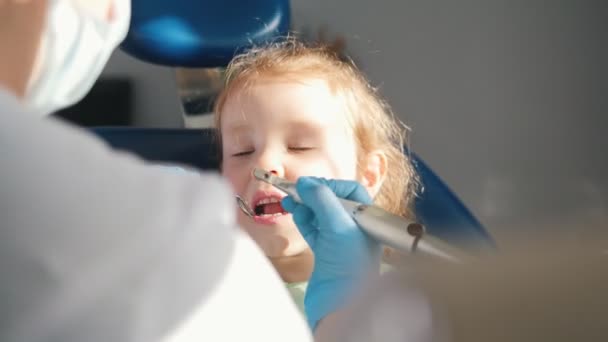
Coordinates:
<point>207,33</point>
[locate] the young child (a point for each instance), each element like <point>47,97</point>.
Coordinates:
<point>298,111</point>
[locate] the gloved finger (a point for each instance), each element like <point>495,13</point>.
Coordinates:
<point>328,210</point>
<point>347,189</point>
<point>303,217</point>
<point>289,204</point>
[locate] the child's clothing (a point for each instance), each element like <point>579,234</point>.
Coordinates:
<point>297,292</point>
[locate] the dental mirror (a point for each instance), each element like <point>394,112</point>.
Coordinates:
<point>244,206</point>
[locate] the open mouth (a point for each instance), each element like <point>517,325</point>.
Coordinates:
<point>268,207</point>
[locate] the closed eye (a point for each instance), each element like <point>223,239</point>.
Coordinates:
<point>242,154</point>
<point>301,149</point>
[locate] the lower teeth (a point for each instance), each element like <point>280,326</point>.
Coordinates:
<point>267,215</point>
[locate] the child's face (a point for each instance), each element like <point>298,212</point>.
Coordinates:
<point>293,129</point>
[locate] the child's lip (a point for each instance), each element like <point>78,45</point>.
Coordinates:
<point>260,195</point>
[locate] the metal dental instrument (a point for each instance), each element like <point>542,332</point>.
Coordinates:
<point>244,206</point>
<point>389,229</point>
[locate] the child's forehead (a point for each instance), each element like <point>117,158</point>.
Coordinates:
<point>284,114</point>
<point>282,99</point>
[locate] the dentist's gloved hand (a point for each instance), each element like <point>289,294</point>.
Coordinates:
<point>344,254</point>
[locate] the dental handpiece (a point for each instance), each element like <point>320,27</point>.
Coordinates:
<point>386,228</point>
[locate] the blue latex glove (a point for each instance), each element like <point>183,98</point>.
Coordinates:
<point>344,254</point>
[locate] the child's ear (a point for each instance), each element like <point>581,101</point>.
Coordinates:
<point>374,170</point>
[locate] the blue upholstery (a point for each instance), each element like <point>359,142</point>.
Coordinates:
<point>443,213</point>
<point>202,33</point>
<point>438,208</point>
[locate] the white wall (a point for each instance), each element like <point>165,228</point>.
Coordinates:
<point>506,98</point>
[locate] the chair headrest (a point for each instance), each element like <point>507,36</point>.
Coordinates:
<point>202,33</point>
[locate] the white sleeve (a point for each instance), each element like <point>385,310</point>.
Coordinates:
<point>245,306</point>
<point>97,246</point>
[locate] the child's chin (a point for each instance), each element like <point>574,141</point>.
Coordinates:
<point>270,220</point>
<point>260,222</point>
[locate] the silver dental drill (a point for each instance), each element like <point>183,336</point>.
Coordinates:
<point>387,228</point>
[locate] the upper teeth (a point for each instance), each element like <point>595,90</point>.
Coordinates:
<point>269,200</point>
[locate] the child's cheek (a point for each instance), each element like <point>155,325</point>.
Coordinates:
<point>319,167</point>
<point>236,177</point>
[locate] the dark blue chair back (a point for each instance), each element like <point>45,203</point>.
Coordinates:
<point>202,33</point>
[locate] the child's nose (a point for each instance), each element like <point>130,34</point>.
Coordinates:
<point>272,162</point>
<point>275,171</point>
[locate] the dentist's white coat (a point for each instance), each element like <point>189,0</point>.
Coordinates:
<point>98,246</point>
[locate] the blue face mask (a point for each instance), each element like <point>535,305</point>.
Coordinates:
<point>74,48</point>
